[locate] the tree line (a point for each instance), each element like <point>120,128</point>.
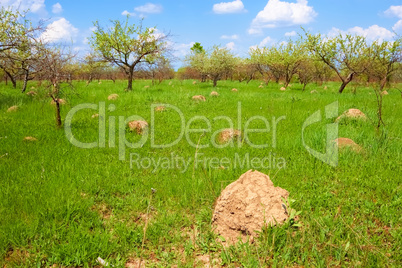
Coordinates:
<point>132,51</point>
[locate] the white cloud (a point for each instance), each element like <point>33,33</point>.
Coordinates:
<point>266,41</point>
<point>125,13</point>
<point>398,27</point>
<point>394,11</point>
<point>181,50</point>
<point>372,33</point>
<point>59,30</point>
<point>149,8</point>
<point>281,14</point>
<point>234,37</point>
<point>229,7</point>
<point>35,6</point>
<point>56,8</point>
<point>292,33</point>
<point>230,46</point>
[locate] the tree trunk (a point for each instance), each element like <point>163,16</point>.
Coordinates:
<point>26,78</point>
<point>58,116</point>
<point>215,80</point>
<point>346,82</point>
<point>304,86</point>
<point>130,79</point>
<point>13,80</point>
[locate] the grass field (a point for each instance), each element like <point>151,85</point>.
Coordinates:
<point>65,205</point>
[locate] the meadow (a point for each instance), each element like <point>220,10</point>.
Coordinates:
<point>66,206</point>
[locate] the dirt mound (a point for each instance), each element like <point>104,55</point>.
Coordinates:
<point>353,114</point>
<point>138,126</point>
<point>229,134</point>
<point>12,109</point>
<point>60,101</point>
<point>313,91</point>
<point>247,205</point>
<point>384,92</point>
<point>199,98</point>
<point>283,88</point>
<point>113,97</point>
<point>325,88</point>
<point>95,116</point>
<point>234,89</point>
<point>194,82</point>
<point>260,86</point>
<point>31,93</point>
<point>160,108</point>
<point>346,143</point>
<point>29,138</point>
<point>214,94</point>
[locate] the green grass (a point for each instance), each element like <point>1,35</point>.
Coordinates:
<point>64,205</point>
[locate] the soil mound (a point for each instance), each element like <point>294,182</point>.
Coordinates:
<point>313,91</point>
<point>12,109</point>
<point>234,89</point>
<point>160,108</point>
<point>199,98</point>
<point>229,134</point>
<point>138,126</point>
<point>31,93</point>
<point>283,88</point>
<point>384,92</point>
<point>247,205</point>
<point>346,143</point>
<point>60,101</point>
<point>353,114</point>
<point>113,97</point>
<point>214,94</point>
<point>29,138</point>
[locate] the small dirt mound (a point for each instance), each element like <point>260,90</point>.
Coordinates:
<point>325,87</point>
<point>100,82</point>
<point>234,90</point>
<point>113,97</point>
<point>60,101</point>
<point>229,134</point>
<point>214,94</point>
<point>146,86</point>
<point>95,116</point>
<point>160,108</point>
<point>283,88</point>
<point>31,93</point>
<point>346,143</point>
<point>199,98</point>
<point>247,205</point>
<point>138,126</point>
<point>12,109</point>
<point>29,138</point>
<point>260,86</point>
<point>313,91</point>
<point>194,82</point>
<point>384,92</point>
<point>352,114</point>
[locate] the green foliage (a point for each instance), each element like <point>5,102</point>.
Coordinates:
<point>127,45</point>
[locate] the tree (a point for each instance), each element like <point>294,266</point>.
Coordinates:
<point>343,54</point>
<point>127,45</point>
<point>220,62</point>
<point>281,61</point>
<point>216,64</point>
<point>53,68</point>
<point>384,57</point>
<point>18,45</point>
<point>197,48</point>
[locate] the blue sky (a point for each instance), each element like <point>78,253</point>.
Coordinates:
<point>235,24</point>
